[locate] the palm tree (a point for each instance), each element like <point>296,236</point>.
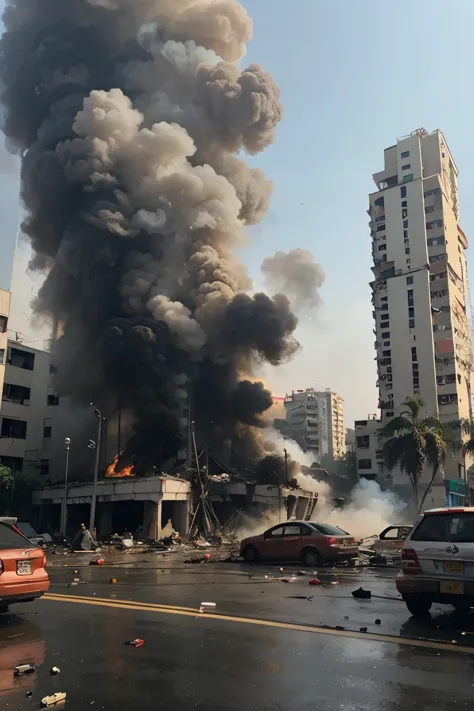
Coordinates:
<point>413,441</point>
<point>460,436</point>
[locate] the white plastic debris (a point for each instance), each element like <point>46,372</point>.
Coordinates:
<point>21,669</point>
<point>53,699</point>
<point>207,607</point>
<point>54,671</point>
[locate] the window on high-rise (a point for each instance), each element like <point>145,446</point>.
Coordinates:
<point>405,223</point>
<point>433,241</point>
<point>405,154</point>
<point>407,250</point>
<point>410,280</point>
<point>407,166</point>
<point>404,203</point>
<point>408,178</point>
<point>411,323</point>
<point>411,312</point>
<point>403,192</point>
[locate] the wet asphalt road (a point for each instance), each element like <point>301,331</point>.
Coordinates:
<point>266,648</point>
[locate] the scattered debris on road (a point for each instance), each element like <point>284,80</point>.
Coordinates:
<point>363,629</point>
<point>113,581</point>
<point>207,607</point>
<point>54,699</point>
<point>29,694</point>
<point>314,581</point>
<point>97,561</point>
<point>54,671</point>
<point>21,669</point>
<point>361,594</point>
<point>136,642</point>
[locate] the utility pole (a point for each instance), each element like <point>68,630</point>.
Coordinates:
<point>67,445</point>
<point>98,414</point>
<point>286,466</point>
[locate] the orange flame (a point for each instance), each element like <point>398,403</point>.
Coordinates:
<point>112,471</point>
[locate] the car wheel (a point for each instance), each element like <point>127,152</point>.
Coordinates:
<point>3,609</point>
<point>311,558</point>
<point>250,554</point>
<point>419,607</point>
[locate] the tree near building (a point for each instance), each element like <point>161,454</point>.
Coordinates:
<point>459,436</point>
<point>413,442</point>
<point>7,487</point>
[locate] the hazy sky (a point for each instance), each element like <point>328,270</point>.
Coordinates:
<point>354,76</point>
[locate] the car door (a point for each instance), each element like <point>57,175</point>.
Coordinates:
<point>389,540</point>
<point>272,543</point>
<point>291,542</point>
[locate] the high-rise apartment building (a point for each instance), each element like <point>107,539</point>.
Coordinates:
<point>420,291</point>
<point>315,419</point>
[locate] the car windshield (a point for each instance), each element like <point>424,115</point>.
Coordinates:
<point>9,538</point>
<point>27,529</point>
<point>446,528</point>
<point>327,530</point>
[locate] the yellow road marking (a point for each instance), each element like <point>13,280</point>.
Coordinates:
<point>190,612</point>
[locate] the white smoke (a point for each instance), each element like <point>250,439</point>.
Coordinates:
<point>295,452</point>
<point>367,513</point>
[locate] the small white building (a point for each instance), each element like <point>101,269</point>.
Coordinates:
<point>27,403</point>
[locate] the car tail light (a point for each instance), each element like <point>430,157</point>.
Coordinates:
<point>332,541</point>
<point>43,561</point>
<point>410,563</point>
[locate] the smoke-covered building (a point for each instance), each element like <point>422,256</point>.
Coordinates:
<point>132,119</point>
<point>315,420</point>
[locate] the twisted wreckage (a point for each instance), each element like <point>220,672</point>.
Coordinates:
<point>197,500</point>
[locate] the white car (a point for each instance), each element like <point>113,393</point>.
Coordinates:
<point>438,561</point>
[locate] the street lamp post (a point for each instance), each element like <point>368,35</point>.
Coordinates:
<point>98,414</point>
<point>67,445</point>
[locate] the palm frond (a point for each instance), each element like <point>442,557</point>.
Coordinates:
<point>398,424</point>
<point>435,448</point>
<point>415,405</point>
<point>392,452</point>
<point>467,427</point>
<point>468,448</point>
<point>432,423</point>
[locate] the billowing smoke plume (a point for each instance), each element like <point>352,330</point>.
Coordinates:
<point>296,274</point>
<point>130,115</point>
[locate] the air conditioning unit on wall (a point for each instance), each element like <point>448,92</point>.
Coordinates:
<point>445,399</point>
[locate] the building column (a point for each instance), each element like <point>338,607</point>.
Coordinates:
<point>104,528</point>
<point>181,517</point>
<point>152,519</point>
<point>301,506</point>
<point>63,519</point>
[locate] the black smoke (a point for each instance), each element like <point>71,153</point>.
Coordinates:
<point>129,116</point>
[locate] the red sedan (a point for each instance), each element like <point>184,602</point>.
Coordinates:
<point>22,567</point>
<point>310,542</point>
